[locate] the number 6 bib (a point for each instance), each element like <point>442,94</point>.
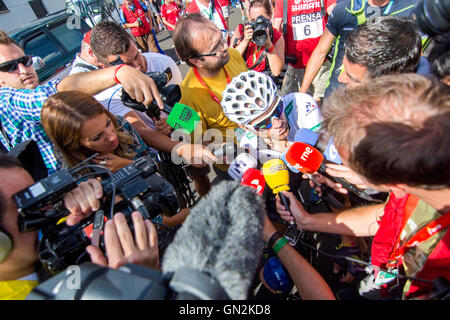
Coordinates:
<point>306,26</point>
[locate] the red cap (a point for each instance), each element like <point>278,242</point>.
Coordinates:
<point>87,37</point>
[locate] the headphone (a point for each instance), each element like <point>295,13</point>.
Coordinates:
<point>6,245</point>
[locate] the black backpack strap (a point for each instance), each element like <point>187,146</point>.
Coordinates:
<point>284,17</point>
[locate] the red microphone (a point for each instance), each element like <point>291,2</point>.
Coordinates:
<point>308,159</point>
<point>255,179</point>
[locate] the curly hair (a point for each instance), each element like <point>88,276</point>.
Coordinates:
<point>108,38</point>
<point>388,45</point>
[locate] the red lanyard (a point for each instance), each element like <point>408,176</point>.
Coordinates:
<point>202,82</point>
<point>419,237</point>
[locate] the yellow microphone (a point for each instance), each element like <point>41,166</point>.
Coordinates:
<point>277,178</point>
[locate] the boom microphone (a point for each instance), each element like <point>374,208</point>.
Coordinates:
<point>308,159</point>
<point>222,237</point>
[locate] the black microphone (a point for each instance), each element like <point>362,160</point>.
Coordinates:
<point>222,238</point>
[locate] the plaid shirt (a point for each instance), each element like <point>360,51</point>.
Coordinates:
<point>21,120</point>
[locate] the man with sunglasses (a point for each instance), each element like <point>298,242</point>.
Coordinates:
<point>21,96</point>
<point>204,48</point>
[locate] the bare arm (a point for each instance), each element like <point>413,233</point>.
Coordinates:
<point>359,222</point>
<point>151,137</point>
<point>242,44</point>
<point>135,83</point>
<point>276,57</point>
<point>277,23</point>
<point>309,283</point>
<point>317,58</point>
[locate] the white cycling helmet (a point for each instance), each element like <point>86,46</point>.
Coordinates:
<point>247,96</point>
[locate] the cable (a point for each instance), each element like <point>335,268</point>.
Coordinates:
<point>94,166</point>
<point>364,263</point>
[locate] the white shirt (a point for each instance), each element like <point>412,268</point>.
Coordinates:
<point>110,98</point>
<point>206,12</point>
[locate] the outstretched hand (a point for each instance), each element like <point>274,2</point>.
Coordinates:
<point>122,248</point>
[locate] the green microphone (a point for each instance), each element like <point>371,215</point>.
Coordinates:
<point>183,117</point>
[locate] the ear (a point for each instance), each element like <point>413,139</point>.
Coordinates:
<point>399,190</point>
<point>197,62</point>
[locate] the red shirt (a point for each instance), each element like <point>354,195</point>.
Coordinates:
<point>253,52</point>
<point>305,25</point>
<point>131,17</point>
<point>438,261</point>
<point>171,13</point>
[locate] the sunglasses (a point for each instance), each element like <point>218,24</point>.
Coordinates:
<point>267,122</point>
<point>10,66</point>
<point>219,45</point>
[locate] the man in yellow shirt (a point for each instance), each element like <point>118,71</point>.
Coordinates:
<point>204,48</point>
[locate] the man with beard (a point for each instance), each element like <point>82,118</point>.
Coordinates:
<point>204,48</point>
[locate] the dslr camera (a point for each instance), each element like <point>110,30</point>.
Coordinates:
<point>41,207</point>
<point>433,16</point>
<point>259,27</point>
<point>170,94</point>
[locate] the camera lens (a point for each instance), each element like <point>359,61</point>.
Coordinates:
<point>433,17</point>
<point>259,37</point>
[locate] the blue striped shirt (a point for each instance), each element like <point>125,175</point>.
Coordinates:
<point>21,120</point>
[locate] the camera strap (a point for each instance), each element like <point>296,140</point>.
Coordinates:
<point>260,58</point>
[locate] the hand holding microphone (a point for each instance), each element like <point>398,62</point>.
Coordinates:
<point>308,159</point>
<point>183,117</point>
<point>277,178</point>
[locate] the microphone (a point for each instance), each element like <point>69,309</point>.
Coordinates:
<point>312,138</point>
<point>254,178</point>
<point>214,241</point>
<point>308,159</point>
<point>184,117</point>
<point>276,175</point>
<point>307,136</point>
<point>240,165</point>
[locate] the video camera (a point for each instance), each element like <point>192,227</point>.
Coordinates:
<point>433,16</point>
<point>138,185</point>
<point>259,27</point>
<point>130,282</point>
<point>170,94</point>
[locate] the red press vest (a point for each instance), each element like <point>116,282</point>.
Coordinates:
<point>133,16</point>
